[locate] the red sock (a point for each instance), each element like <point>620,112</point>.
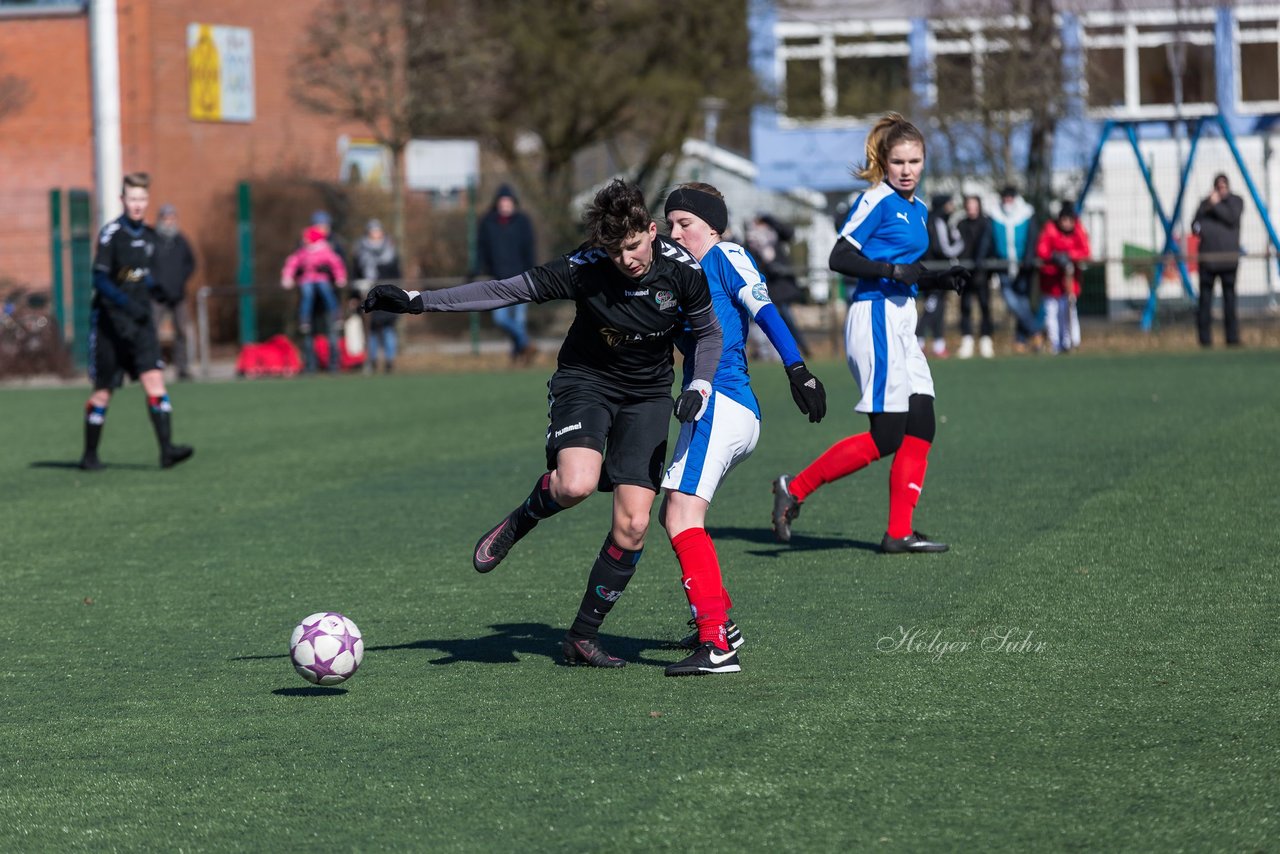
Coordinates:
<point>700,571</point>
<point>842,458</point>
<point>728,603</point>
<point>906,480</point>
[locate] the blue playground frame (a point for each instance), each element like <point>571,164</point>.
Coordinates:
<point>1170,221</point>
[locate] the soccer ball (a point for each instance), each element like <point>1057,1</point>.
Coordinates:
<point>326,648</point>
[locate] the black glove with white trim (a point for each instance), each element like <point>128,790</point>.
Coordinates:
<point>692,402</point>
<point>392,299</point>
<point>807,391</point>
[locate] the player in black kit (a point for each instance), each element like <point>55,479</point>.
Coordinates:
<point>122,338</point>
<point>610,397</point>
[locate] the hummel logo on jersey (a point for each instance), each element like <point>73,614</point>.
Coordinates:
<point>564,430</point>
<point>903,216</point>
<point>717,657</point>
<point>643,293</point>
<point>673,251</point>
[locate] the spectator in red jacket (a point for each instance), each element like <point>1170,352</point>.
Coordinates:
<point>1063,245</point>
<point>316,269</point>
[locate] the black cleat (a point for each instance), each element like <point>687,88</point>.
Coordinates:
<point>90,462</point>
<point>731,632</point>
<point>785,508</point>
<point>174,454</point>
<point>915,542</point>
<point>493,547</point>
<point>706,660</point>
<point>580,651</point>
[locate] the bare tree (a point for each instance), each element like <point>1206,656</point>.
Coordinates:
<point>360,62</point>
<point>996,84</point>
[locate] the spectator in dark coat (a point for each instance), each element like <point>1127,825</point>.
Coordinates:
<point>945,249</point>
<point>377,262</point>
<point>1218,224</point>
<point>172,268</point>
<point>975,233</point>
<point>505,248</point>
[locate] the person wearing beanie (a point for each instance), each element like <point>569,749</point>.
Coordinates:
<point>709,448</point>
<point>376,260</point>
<point>1062,247</point>
<point>609,400</point>
<point>316,270</point>
<point>504,248</point>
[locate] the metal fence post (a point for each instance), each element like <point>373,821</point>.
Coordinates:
<point>81,238</point>
<point>244,276</point>
<point>55,251</point>
<point>202,328</point>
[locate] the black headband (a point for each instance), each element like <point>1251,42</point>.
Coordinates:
<point>711,210</point>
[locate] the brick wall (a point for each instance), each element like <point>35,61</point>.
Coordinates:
<point>194,165</point>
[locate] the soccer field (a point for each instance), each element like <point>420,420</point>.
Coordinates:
<point>1092,665</point>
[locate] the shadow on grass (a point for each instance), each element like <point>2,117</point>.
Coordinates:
<point>75,464</point>
<point>511,640</point>
<point>313,691</point>
<point>799,542</point>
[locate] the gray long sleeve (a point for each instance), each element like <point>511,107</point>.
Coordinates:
<point>709,345</point>
<point>480,296</point>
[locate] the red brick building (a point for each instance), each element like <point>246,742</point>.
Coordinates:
<point>48,143</point>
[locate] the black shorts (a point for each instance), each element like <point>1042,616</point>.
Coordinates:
<point>120,346</point>
<point>629,429</point>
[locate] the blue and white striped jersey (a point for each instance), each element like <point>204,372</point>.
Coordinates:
<point>738,293</point>
<point>886,227</point>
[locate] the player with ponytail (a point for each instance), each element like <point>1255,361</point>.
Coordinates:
<point>880,246</point>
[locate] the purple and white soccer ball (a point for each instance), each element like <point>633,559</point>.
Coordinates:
<point>326,648</point>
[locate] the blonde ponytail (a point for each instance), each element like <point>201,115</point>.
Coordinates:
<point>888,132</point>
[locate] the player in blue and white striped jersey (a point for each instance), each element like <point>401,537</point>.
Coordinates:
<point>708,450</point>
<point>881,245</point>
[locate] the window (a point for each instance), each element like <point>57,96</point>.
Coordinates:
<point>978,64</point>
<point>843,71</point>
<point>1258,42</point>
<point>1150,63</point>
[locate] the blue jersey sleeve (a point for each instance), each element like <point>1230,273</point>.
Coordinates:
<point>863,220</point>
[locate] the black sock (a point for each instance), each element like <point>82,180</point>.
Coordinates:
<point>610,573</point>
<point>538,506</point>
<point>94,418</point>
<point>161,419</point>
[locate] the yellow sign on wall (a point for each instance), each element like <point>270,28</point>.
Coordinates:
<point>220,73</point>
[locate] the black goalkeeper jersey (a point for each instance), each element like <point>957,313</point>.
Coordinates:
<point>623,332</point>
<point>125,254</point>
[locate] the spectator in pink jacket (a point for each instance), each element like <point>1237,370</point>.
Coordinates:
<point>1063,245</point>
<point>317,270</point>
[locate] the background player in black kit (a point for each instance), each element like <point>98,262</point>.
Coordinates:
<point>610,397</point>
<point>122,338</point>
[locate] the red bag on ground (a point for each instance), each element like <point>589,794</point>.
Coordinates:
<point>346,361</point>
<point>275,357</point>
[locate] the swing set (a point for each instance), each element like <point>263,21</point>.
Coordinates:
<point>1172,248</point>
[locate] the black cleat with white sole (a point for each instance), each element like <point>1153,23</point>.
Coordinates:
<point>587,651</point>
<point>707,660</point>
<point>785,508</point>
<point>731,632</point>
<point>915,542</point>
<point>495,544</point>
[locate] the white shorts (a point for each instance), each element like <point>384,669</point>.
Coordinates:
<point>886,361</point>
<point>710,447</point>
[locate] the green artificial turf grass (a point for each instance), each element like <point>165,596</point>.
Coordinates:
<point>1119,511</point>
